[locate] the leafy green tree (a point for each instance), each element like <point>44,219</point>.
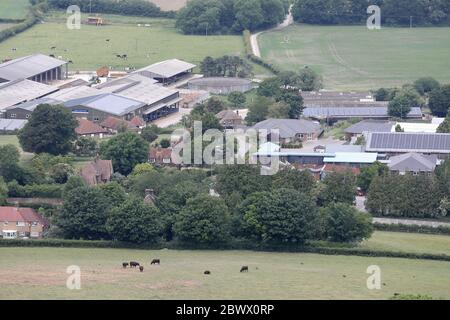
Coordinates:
<point>204,220</point>
<point>439,101</point>
<point>164,143</point>
<point>61,172</point>
<point>114,192</point>
<point>444,127</point>
<point>294,101</point>
<point>345,223</point>
<point>339,187</point>
<point>3,191</point>
<point>126,150</point>
<point>85,147</point>
<point>398,128</point>
<point>150,133</point>
<point>214,105</point>
<point>72,183</point>
<point>9,162</point>
<point>283,216</point>
<point>258,110</point>
<point>237,99</point>
<point>287,178</point>
<point>135,222</point>
<point>242,179</point>
<point>426,85</point>
<point>270,87</point>
<point>309,80</point>
<point>403,101</point>
<point>83,214</point>
<point>210,121</point>
<point>142,168</point>
<point>367,174</point>
<point>279,110</point>
<point>51,129</point>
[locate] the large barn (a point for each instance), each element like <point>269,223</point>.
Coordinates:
<point>168,71</point>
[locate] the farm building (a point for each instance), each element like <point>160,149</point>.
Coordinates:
<point>415,127</point>
<point>399,143</point>
<point>291,130</point>
<point>9,125</point>
<point>37,67</point>
<point>24,110</point>
<point>339,113</point>
<point>221,85</point>
<point>17,91</point>
<point>21,223</point>
<point>359,128</point>
<point>168,71</point>
<point>317,97</point>
<point>413,163</point>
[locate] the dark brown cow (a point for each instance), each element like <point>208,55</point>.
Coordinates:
<point>207,272</point>
<point>134,264</point>
<point>141,268</point>
<point>244,269</point>
<point>125,265</point>
<point>156,261</point>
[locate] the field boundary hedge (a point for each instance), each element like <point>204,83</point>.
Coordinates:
<point>58,243</point>
<point>412,228</point>
<point>246,34</point>
<point>33,16</point>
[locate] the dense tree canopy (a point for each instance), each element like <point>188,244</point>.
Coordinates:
<point>439,102</point>
<point>444,127</point>
<point>339,187</point>
<point>51,129</point>
<point>403,101</point>
<point>126,150</point>
<point>230,16</point>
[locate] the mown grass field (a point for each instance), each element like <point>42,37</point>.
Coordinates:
<point>13,9</point>
<point>89,50</point>
<point>40,273</point>
<point>353,57</point>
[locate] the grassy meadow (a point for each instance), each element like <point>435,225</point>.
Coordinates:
<point>14,9</point>
<point>353,57</point>
<point>89,50</point>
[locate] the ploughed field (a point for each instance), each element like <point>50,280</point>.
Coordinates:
<point>353,57</point>
<point>40,273</point>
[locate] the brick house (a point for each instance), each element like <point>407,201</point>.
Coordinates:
<point>97,172</point>
<point>21,222</point>
<point>88,128</point>
<point>160,156</point>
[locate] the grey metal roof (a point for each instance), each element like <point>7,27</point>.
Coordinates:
<point>15,92</point>
<point>26,67</point>
<point>31,105</point>
<point>107,102</point>
<point>354,112</point>
<point>11,124</point>
<point>335,96</point>
<point>333,148</point>
<point>370,126</point>
<point>413,162</point>
<point>167,68</point>
<point>408,142</point>
<point>139,88</point>
<point>74,93</point>
<point>289,128</point>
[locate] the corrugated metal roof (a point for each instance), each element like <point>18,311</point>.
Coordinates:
<point>413,162</point>
<point>31,105</point>
<point>336,96</point>
<point>15,92</point>
<point>107,102</point>
<point>11,124</point>
<point>167,69</point>
<point>74,93</point>
<point>409,142</point>
<point>352,157</point>
<point>416,127</point>
<point>370,126</point>
<point>26,67</point>
<point>354,112</point>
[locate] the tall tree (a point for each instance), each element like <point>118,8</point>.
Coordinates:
<point>51,129</point>
<point>439,102</point>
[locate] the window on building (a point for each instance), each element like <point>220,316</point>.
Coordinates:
<point>5,223</point>
<point>28,116</point>
<point>13,115</point>
<point>20,223</point>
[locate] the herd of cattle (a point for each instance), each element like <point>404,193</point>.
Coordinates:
<point>134,264</point>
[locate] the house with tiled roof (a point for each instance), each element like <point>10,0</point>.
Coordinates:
<point>138,122</point>
<point>97,172</point>
<point>229,119</point>
<point>21,222</point>
<point>113,125</point>
<point>88,128</point>
<point>160,156</point>
<point>290,130</point>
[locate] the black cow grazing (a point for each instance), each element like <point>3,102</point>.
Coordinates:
<point>134,264</point>
<point>124,57</point>
<point>244,269</point>
<point>141,268</point>
<point>70,61</point>
<point>52,55</point>
<point>156,261</point>
<point>107,40</point>
<point>125,265</point>
<point>53,48</point>
<point>14,49</point>
<point>207,272</point>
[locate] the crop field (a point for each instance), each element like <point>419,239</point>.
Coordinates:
<point>89,49</point>
<point>168,5</point>
<point>13,9</point>
<point>353,57</point>
<point>40,273</point>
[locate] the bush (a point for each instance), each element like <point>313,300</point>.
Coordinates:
<point>34,190</point>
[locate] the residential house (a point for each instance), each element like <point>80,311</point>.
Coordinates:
<point>229,119</point>
<point>88,128</point>
<point>357,129</point>
<point>413,163</point>
<point>21,222</point>
<point>114,125</point>
<point>160,156</point>
<point>290,130</point>
<point>97,172</point>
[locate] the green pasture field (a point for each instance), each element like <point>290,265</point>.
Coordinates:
<point>40,273</point>
<point>12,139</point>
<point>353,57</point>
<point>89,50</point>
<point>14,9</point>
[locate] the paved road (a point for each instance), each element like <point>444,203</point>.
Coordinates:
<point>254,37</point>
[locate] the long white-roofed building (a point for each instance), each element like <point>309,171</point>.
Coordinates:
<point>167,71</point>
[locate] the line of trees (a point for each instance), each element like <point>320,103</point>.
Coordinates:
<point>393,12</point>
<point>142,8</point>
<point>226,66</point>
<point>230,16</point>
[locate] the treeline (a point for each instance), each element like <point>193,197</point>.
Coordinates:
<point>226,66</point>
<point>230,16</point>
<point>393,12</point>
<point>142,8</point>
<point>37,9</point>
